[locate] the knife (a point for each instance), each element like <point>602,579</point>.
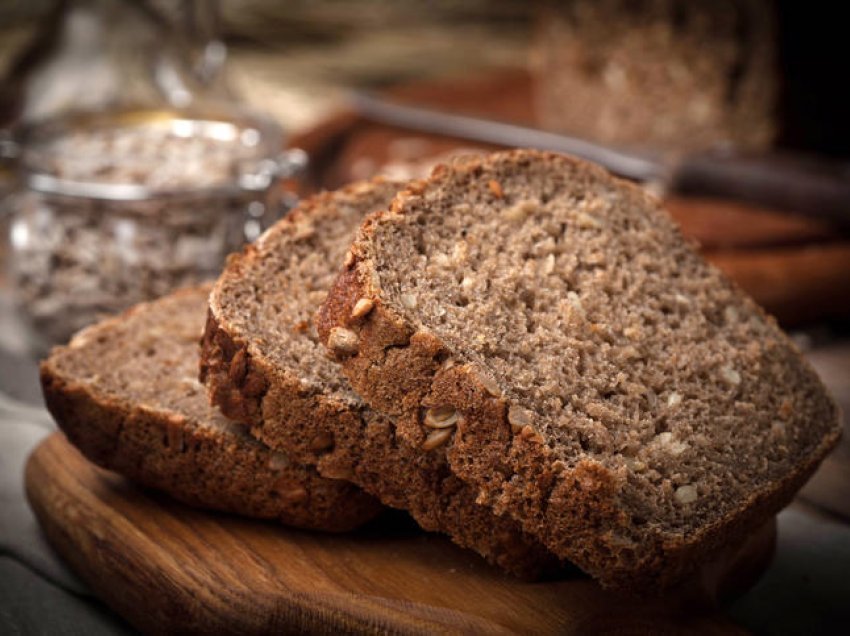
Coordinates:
<point>793,183</point>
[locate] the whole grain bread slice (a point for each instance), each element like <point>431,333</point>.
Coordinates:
<point>590,374</point>
<point>125,392</point>
<point>263,365</point>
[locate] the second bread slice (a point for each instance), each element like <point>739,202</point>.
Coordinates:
<point>264,366</point>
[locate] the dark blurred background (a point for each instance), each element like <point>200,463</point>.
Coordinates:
<point>739,108</point>
<point>291,58</point>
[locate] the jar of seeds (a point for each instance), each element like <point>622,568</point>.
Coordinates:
<point>113,210</point>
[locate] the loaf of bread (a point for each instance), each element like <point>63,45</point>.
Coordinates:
<point>125,392</point>
<point>669,74</point>
<point>544,329</point>
<point>264,366</point>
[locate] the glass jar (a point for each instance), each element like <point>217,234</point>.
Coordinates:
<point>113,210</point>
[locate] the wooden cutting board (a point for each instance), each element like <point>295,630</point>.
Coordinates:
<point>168,568</point>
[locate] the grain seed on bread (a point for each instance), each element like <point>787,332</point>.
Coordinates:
<point>440,417</point>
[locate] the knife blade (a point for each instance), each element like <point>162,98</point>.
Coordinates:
<point>787,182</point>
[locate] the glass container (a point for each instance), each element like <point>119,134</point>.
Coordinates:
<point>111,210</point>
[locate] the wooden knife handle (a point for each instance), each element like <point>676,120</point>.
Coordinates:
<point>798,184</point>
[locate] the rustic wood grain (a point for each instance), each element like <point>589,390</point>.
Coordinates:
<point>168,568</point>
<point>719,224</point>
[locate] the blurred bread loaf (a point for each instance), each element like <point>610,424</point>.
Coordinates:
<point>670,74</point>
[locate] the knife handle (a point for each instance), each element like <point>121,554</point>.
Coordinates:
<point>802,185</point>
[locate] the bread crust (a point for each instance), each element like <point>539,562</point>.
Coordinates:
<point>202,466</point>
<point>346,440</point>
<point>399,370</point>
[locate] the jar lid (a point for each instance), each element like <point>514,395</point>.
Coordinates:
<point>140,155</point>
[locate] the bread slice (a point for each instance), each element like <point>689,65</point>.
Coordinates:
<point>546,329</point>
<point>125,392</point>
<point>264,366</point>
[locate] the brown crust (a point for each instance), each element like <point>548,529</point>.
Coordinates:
<point>198,465</point>
<point>348,441</point>
<point>574,512</point>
